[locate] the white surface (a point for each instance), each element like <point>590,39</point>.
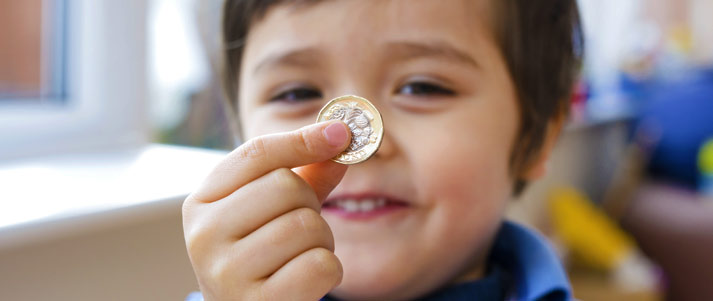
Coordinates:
<point>53,196</point>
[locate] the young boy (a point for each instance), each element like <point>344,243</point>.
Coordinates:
<point>472,94</point>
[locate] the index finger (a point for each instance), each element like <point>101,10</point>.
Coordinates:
<point>258,156</point>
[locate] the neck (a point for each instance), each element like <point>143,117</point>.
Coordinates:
<point>473,273</point>
<point>476,268</point>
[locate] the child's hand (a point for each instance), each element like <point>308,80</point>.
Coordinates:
<point>253,230</point>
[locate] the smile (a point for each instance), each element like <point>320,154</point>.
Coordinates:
<point>362,206</point>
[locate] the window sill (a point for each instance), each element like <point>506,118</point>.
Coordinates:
<point>51,197</point>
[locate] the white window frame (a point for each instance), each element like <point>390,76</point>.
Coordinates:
<point>106,105</point>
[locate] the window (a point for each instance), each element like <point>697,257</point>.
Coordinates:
<point>74,76</point>
<point>32,55</point>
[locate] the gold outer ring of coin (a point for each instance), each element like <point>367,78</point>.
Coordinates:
<point>377,125</point>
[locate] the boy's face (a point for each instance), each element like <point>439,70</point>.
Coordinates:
<point>433,70</point>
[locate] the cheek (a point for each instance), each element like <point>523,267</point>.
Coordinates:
<point>465,185</point>
<point>261,121</point>
<point>464,180</point>
<point>465,171</point>
<point>464,177</point>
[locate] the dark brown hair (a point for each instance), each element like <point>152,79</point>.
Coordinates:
<point>541,42</point>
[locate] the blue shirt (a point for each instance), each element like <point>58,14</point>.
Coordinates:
<point>537,273</point>
<point>522,266</point>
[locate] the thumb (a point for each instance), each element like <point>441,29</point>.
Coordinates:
<point>322,176</point>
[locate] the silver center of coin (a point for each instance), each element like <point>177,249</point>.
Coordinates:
<point>358,120</point>
<point>364,122</point>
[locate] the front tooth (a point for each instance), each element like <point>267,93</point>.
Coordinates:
<point>350,205</point>
<point>367,206</point>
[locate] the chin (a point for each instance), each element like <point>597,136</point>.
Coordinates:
<point>365,279</point>
<point>375,291</point>
<point>371,290</point>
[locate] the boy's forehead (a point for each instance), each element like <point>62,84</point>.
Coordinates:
<point>378,15</point>
<point>407,27</point>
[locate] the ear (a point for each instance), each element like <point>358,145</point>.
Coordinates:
<point>537,167</point>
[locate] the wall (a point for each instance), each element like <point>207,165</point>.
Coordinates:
<point>145,260</point>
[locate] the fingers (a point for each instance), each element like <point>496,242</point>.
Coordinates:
<point>258,156</point>
<point>227,264</point>
<point>266,231</point>
<point>273,245</point>
<point>309,276</point>
<point>256,204</point>
<point>322,177</point>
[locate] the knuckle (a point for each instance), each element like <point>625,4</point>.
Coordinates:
<point>284,176</point>
<point>253,148</point>
<point>199,236</point>
<point>308,220</point>
<point>188,208</point>
<point>194,245</point>
<point>324,263</point>
<point>221,272</point>
<point>290,182</point>
<point>301,223</point>
<point>306,142</point>
<point>218,272</point>
<point>220,280</point>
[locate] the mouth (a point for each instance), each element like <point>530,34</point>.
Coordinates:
<point>363,206</point>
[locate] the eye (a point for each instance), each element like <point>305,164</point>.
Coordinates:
<point>424,89</point>
<point>295,95</point>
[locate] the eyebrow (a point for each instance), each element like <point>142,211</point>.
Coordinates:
<point>406,50</point>
<point>400,50</point>
<point>299,58</point>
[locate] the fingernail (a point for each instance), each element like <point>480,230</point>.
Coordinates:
<point>336,134</point>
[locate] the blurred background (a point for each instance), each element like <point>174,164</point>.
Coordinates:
<point>111,112</point>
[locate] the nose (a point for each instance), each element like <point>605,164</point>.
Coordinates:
<point>387,148</point>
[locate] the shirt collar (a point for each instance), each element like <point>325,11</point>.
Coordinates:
<point>535,268</point>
